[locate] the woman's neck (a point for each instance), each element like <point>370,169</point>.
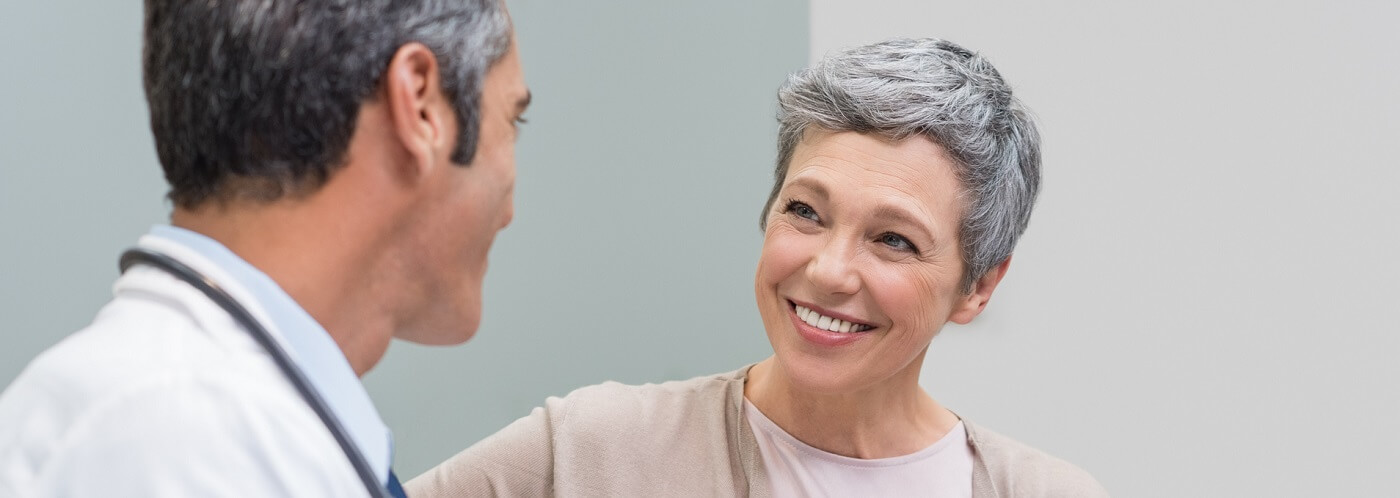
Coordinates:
<point>893,419</point>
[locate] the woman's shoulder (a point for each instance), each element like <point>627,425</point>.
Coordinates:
<point>613,439</point>
<point>1016,469</point>
<point>629,405</point>
<point>609,439</point>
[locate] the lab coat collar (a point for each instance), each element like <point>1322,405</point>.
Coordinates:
<point>311,348</point>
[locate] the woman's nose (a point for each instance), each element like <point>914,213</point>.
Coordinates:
<point>833,268</point>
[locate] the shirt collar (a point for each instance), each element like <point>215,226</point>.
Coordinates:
<point>311,348</point>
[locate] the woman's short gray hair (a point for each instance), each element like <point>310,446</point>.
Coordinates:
<point>935,89</point>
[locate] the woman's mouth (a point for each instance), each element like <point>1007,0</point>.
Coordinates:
<point>828,323</point>
<point>822,329</point>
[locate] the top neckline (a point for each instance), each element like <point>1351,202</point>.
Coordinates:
<point>762,423</point>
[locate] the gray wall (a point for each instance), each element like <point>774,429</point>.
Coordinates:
<point>641,174</point>
<point>1204,302</point>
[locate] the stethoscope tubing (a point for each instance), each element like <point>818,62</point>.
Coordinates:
<point>215,293</point>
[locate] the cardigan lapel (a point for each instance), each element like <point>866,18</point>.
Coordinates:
<point>752,461</point>
<point>743,439</point>
<point>981,479</point>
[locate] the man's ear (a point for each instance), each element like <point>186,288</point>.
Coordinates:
<point>972,304</point>
<point>419,111</point>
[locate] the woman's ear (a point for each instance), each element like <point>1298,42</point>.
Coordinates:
<point>972,304</point>
<point>419,111</point>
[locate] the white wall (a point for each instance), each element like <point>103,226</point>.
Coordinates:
<point>1204,302</point>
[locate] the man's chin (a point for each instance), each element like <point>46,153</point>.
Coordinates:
<point>449,334</point>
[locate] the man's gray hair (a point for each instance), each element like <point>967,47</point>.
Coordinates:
<point>935,89</point>
<point>259,98</point>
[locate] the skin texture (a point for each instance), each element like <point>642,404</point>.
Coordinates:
<point>866,228</point>
<point>395,243</point>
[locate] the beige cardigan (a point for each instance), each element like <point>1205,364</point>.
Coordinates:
<point>683,438</point>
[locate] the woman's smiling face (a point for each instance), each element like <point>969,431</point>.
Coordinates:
<point>860,265</point>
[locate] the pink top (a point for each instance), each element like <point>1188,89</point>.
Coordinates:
<point>943,469</point>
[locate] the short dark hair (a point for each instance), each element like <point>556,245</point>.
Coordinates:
<point>259,98</point>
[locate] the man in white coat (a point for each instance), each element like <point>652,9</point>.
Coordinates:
<point>340,169</point>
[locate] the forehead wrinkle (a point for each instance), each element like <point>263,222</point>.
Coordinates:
<point>893,160</point>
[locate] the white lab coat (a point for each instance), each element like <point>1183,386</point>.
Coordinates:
<point>165,395</point>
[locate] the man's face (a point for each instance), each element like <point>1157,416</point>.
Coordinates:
<point>469,206</point>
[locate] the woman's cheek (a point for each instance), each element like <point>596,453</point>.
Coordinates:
<point>784,252</point>
<point>905,298</point>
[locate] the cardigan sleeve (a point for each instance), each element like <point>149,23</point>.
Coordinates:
<point>516,461</point>
<point>1012,469</point>
<point>607,439</point>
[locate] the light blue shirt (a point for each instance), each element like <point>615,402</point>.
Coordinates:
<point>310,346</point>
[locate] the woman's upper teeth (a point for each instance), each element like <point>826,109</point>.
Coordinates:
<point>824,322</point>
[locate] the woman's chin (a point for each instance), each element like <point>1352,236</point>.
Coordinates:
<point>822,376</point>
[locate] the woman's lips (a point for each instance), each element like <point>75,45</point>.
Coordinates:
<point>823,321</point>
<point>815,327</point>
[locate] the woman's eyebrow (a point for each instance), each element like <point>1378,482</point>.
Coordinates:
<point>815,186</point>
<point>901,216</point>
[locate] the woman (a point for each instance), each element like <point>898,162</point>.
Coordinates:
<point>906,171</point>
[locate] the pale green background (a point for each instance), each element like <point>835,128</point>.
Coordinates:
<point>646,160</point>
<point>642,171</point>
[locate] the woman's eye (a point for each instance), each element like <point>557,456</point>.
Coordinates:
<point>802,209</point>
<point>897,242</point>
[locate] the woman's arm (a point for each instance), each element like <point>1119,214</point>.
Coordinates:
<point>608,440</point>
<point>517,461</point>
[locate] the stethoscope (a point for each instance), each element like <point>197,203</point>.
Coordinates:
<point>135,256</point>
